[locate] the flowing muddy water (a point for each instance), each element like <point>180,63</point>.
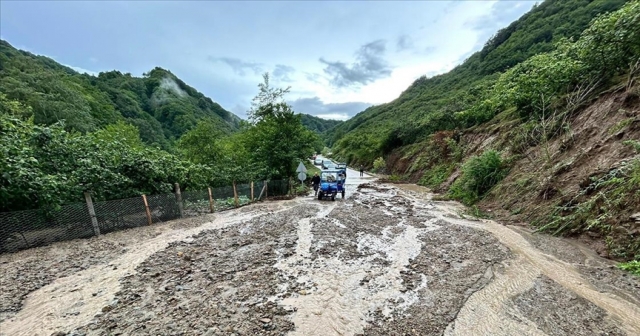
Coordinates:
<point>384,261</point>
<point>72,301</point>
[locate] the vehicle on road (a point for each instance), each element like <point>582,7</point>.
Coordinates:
<point>328,164</point>
<point>331,184</point>
<point>317,161</point>
<point>342,167</point>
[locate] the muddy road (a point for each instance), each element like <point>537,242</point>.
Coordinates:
<point>387,260</point>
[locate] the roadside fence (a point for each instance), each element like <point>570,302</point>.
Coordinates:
<point>30,228</point>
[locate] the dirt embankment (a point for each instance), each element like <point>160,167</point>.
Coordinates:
<point>552,173</point>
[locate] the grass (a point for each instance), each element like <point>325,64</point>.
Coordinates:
<point>619,126</point>
<point>397,178</point>
<point>478,213</point>
<point>600,207</point>
<point>632,266</point>
<point>633,143</point>
<point>311,169</point>
<point>435,176</point>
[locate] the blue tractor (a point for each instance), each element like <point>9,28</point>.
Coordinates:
<point>331,184</point>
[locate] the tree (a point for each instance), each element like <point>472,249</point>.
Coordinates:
<point>277,141</point>
<point>269,102</point>
<point>202,144</point>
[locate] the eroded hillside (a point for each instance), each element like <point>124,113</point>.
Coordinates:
<point>582,182</point>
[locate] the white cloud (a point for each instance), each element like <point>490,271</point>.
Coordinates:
<point>81,70</point>
<point>333,116</point>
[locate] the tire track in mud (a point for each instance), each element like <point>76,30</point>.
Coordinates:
<point>72,301</point>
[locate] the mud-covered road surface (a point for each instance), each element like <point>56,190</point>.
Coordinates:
<point>387,260</point>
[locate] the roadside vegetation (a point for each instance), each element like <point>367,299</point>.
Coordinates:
<point>48,165</point>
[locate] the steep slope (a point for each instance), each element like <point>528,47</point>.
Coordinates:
<point>162,106</point>
<point>318,125</point>
<point>429,104</point>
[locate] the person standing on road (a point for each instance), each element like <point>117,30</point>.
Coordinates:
<point>361,171</point>
<point>315,181</point>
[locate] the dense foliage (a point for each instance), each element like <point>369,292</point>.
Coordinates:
<point>162,106</point>
<point>475,91</point>
<point>46,166</point>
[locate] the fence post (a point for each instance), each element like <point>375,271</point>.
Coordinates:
<point>211,207</point>
<point>251,191</point>
<point>146,209</point>
<point>266,189</point>
<point>235,194</point>
<point>179,200</point>
<point>290,187</point>
<point>92,213</point>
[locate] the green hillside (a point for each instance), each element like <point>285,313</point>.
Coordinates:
<point>431,104</point>
<point>318,125</point>
<point>161,105</point>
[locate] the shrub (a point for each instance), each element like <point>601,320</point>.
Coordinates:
<point>633,143</point>
<point>479,175</point>
<point>379,165</point>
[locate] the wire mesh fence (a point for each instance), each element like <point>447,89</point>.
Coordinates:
<point>163,207</point>
<point>120,214</point>
<point>196,203</point>
<point>31,228</point>
<point>278,188</point>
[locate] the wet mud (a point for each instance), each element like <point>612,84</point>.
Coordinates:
<point>387,260</point>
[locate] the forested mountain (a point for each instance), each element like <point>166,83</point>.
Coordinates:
<point>429,104</point>
<point>161,105</point>
<point>318,125</point>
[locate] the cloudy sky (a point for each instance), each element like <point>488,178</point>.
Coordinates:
<point>338,57</point>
